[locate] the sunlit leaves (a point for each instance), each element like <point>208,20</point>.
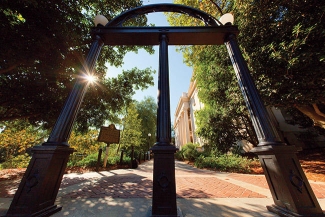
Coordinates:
<point>131,134</point>
<point>17,137</point>
<point>84,143</point>
<point>43,47</point>
<point>147,111</point>
<point>224,118</point>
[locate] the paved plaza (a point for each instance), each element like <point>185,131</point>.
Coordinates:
<point>128,192</point>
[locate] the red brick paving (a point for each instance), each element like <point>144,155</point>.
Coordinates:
<point>190,183</point>
<point>319,190</point>
<point>258,180</point>
<point>210,187</point>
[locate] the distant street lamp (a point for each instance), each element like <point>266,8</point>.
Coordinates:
<point>149,136</point>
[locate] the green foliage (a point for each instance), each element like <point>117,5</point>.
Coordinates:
<point>131,134</point>
<point>288,59</point>
<point>107,100</point>
<point>84,143</point>
<point>91,161</point>
<point>20,161</point>
<point>114,160</point>
<point>17,137</point>
<point>224,118</point>
<point>188,152</point>
<point>179,156</point>
<point>147,113</point>
<point>227,163</point>
<point>37,73</point>
<point>280,44</point>
<point>214,159</point>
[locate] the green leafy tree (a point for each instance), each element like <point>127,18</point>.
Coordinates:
<point>42,49</point>
<point>84,143</point>
<point>17,137</point>
<point>224,118</point>
<point>109,98</point>
<point>282,43</point>
<point>147,110</point>
<point>131,134</point>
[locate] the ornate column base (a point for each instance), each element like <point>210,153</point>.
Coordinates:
<point>40,184</point>
<point>164,185</point>
<point>289,186</point>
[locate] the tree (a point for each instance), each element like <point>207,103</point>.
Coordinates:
<point>224,118</point>
<point>147,110</point>
<point>42,49</point>
<point>280,42</point>
<point>110,97</point>
<point>131,134</point>
<point>288,61</point>
<point>84,143</point>
<point>17,137</point>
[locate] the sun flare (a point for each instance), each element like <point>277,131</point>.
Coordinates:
<point>90,78</point>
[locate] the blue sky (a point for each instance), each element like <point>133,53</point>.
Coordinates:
<point>179,73</point>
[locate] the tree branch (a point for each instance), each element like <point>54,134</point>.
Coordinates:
<point>215,4</point>
<point>311,113</point>
<point>317,110</point>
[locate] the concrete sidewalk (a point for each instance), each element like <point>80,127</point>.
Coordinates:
<point>128,192</point>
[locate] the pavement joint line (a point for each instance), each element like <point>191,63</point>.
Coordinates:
<point>254,188</point>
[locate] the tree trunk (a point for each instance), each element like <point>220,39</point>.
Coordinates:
<point>313,113</point>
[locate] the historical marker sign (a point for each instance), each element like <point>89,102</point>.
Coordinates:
<point>109,134</point>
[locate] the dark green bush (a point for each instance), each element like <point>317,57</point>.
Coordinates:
<point>188,152</point>
<point>179,155</point>
<point>229,163</point>
<point>89,161</point>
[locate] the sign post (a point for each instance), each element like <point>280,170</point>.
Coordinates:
<point>108,135</point>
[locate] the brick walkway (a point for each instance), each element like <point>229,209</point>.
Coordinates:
<point>190,183</point>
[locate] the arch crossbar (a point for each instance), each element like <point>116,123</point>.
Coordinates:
<point>193,12</point>
<point>213,33</point>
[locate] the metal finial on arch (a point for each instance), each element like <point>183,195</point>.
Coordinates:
<point>193,12</point>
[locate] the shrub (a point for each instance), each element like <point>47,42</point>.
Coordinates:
<point>20,161</point>
<point>188,152</point>
<point>75,158</point>
<point>89,161</point>
<point>179,155</point>
<point>229,163</point>
<point>126,160</point>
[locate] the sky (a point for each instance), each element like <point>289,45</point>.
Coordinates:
<point>179,73</point>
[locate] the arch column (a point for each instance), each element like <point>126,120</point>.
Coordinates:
<point>164,185</point>
<point>40,185</point>
<point>290,189</point>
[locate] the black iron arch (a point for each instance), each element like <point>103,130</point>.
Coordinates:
<point>279,160</point>
<point>193,12</point>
